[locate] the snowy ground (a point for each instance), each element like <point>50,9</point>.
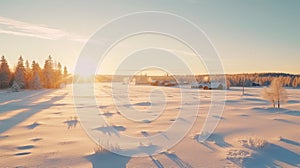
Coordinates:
<point>41,129</point>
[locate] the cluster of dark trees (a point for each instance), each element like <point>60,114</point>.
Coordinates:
<point>26,76</point>
<point>263,79</point>
<point>253,79</point>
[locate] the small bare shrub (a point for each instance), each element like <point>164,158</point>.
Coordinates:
<point>237,155</point>
<point>254,142</point>
<point>98,148</point>
<point>112,147</point>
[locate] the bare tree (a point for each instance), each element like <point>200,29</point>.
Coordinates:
<point>275,93</point>
<point>268,95</point>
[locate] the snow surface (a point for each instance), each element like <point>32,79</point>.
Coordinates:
<point>40,128</point>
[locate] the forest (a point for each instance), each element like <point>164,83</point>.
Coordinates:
<point>26,76</point>
<point>263,79</point>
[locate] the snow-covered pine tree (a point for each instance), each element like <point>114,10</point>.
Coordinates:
<point>35,82</point>
<point>20,73</point>
<point>48,75</point>
<point>15,87</point>
<point>28,74</point>
<point>5,74</point>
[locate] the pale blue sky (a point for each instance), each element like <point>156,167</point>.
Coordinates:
<point>250,36</point>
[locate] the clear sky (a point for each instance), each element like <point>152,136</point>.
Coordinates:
<point>250,36</point>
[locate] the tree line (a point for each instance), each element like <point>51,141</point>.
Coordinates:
<point>235,80</point>
<point>26,76</point>
<point>253,79</point>
<point>263,79</point>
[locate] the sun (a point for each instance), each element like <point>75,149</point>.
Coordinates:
<point>85,68</point>
<point>84,72</point>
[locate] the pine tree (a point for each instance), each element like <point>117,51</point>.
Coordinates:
<point>48,73</point>
<point>65,75</point>
<point>35,82</point>
<point>15,87</point>
<point>20,73</point>
<point>58,75</point>
<point>5,74</point>
<point>59,68</point>
<point>28,74</point>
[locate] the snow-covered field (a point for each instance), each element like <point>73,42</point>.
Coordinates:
<point>41,129</point>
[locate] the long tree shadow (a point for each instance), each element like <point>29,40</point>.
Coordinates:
<point>290,141</point>
<point>11,97</point>
<point>278,111</point>
<point>156,162</point>
<point>218,139</point>
<point>72,122</point>
<point>15,120</point>
<point>15,102</point>
<point>271,155</point>
<point>180,163</point>
<point>286,121</point>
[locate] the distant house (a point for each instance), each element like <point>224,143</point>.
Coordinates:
<point>216,86</point>
<point>208,86</point>
<point>170,83</point>
<point>205,85</point>
<point>154,83</point>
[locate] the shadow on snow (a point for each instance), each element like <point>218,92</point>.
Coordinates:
<point>31,110</point>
